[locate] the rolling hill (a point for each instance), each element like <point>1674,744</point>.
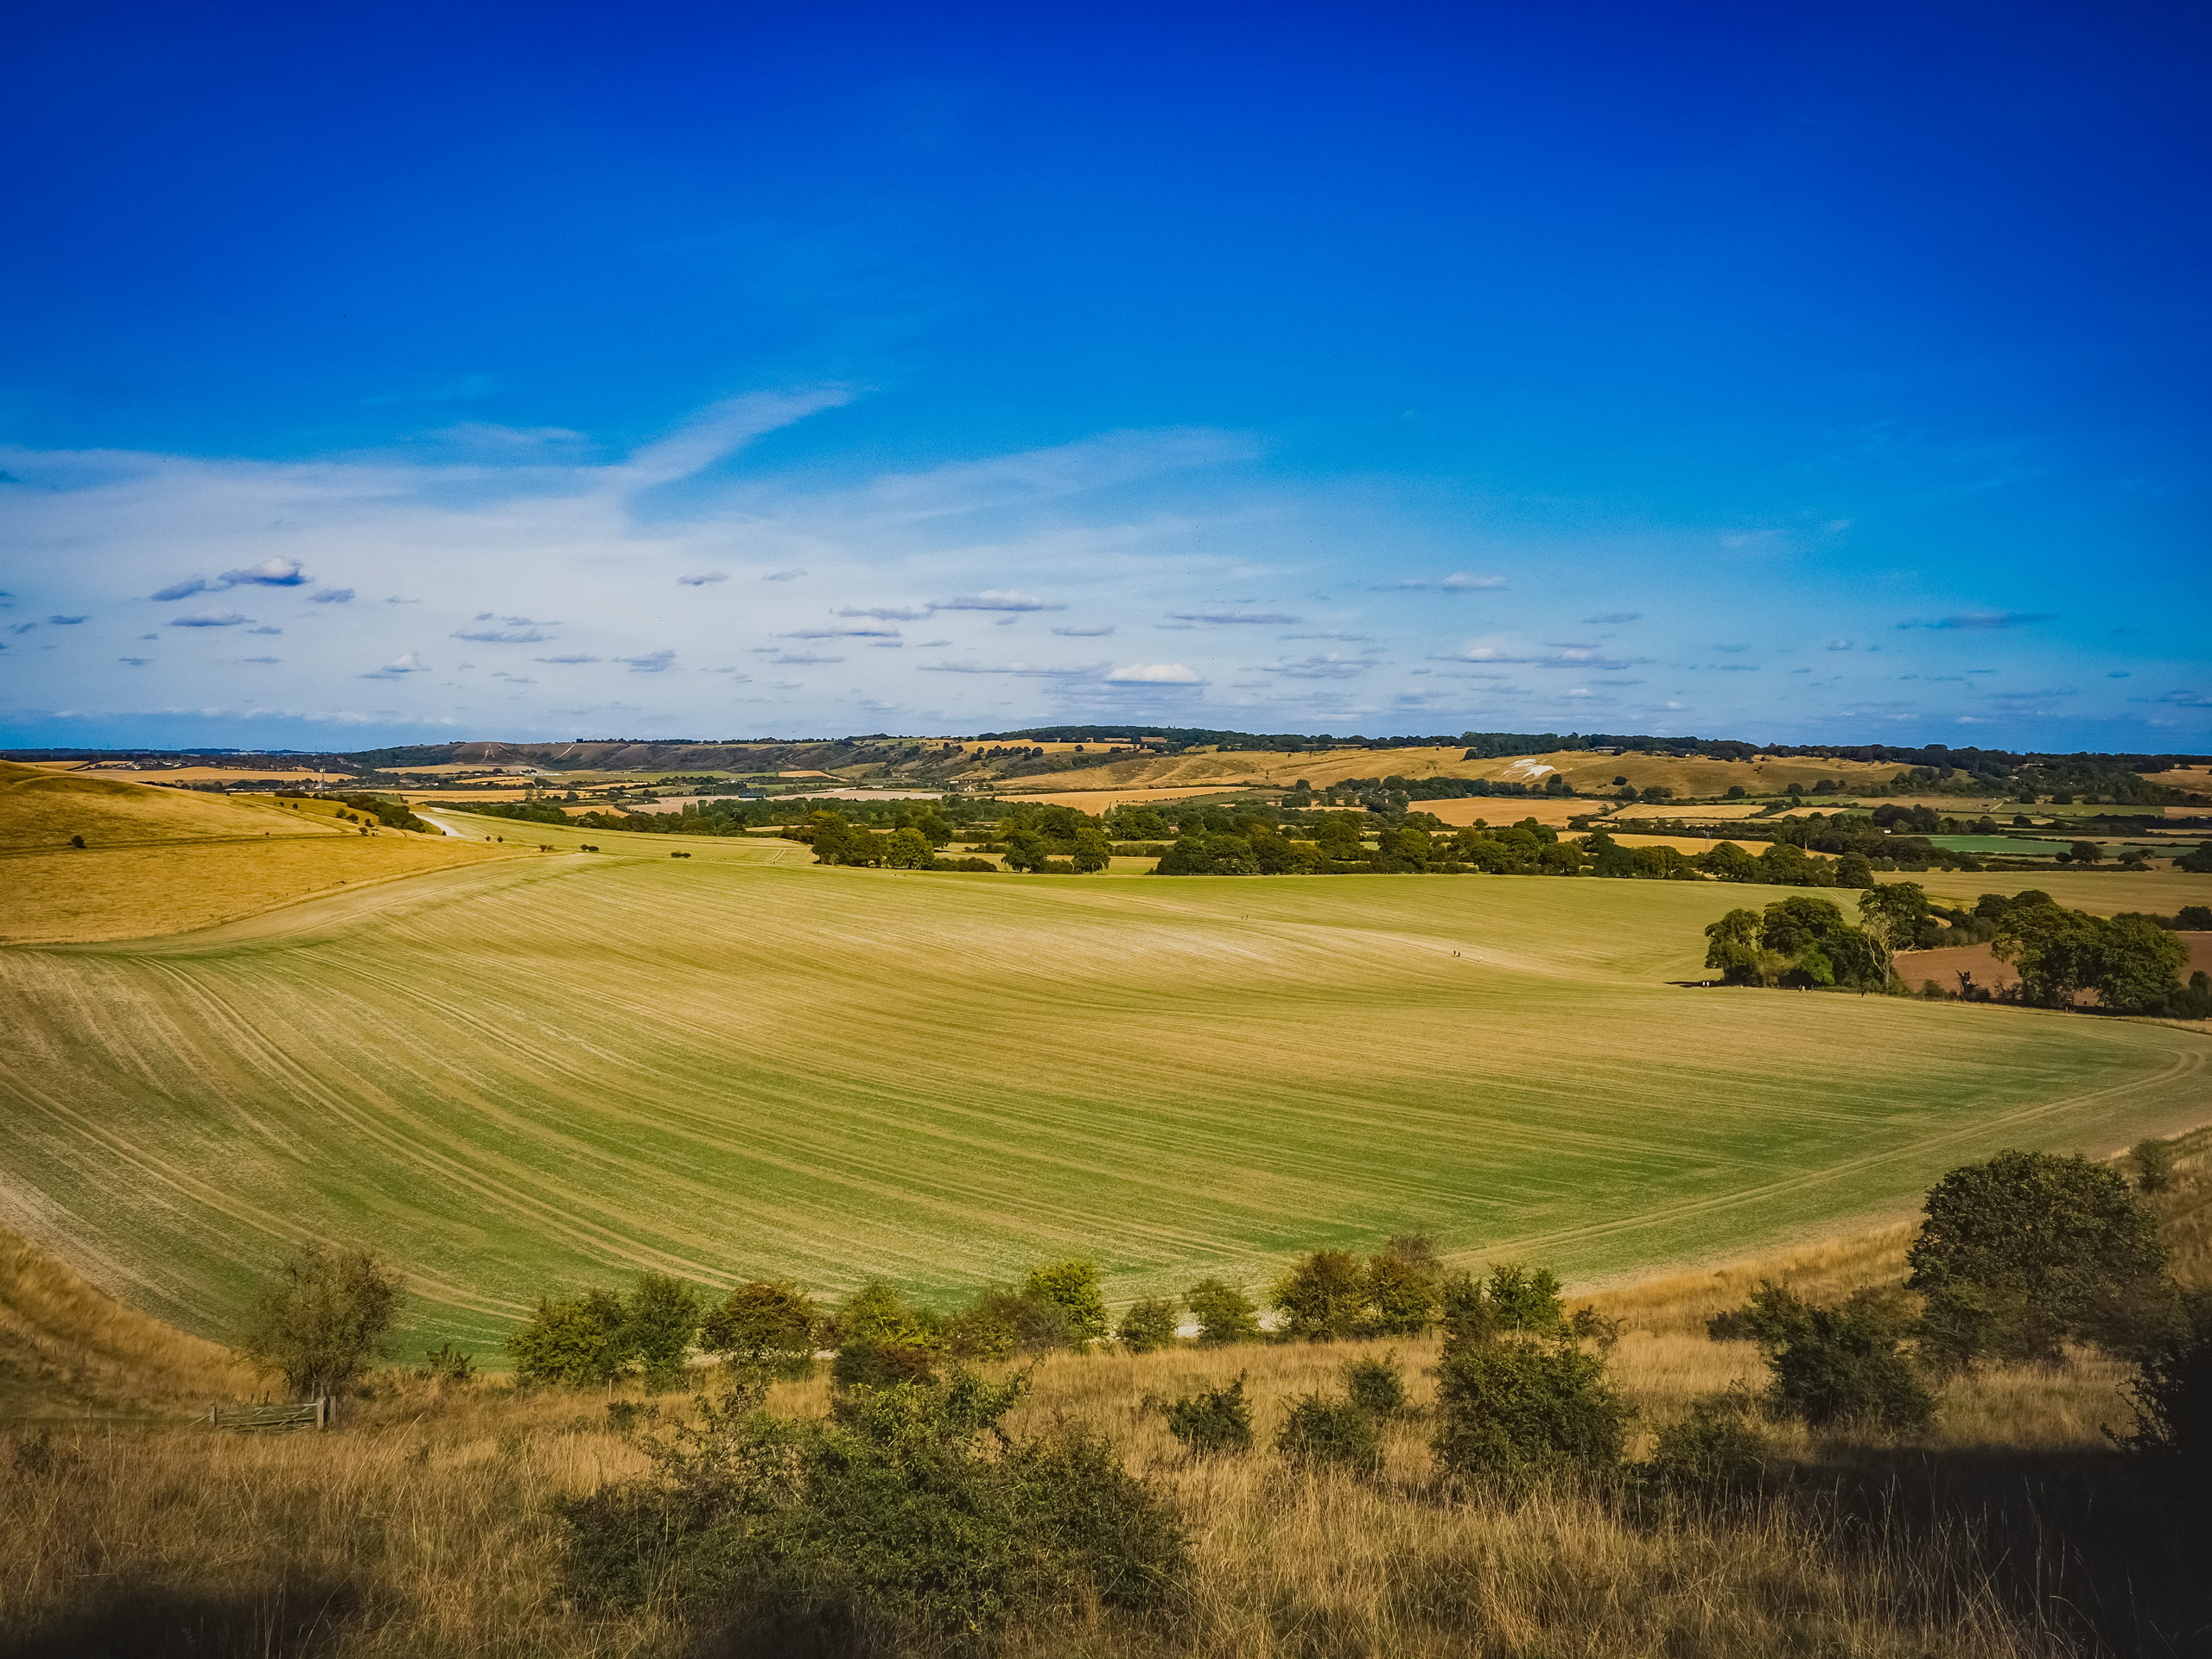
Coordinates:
<point>545,1073</point>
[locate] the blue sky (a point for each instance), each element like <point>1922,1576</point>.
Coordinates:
<point>555,371</point>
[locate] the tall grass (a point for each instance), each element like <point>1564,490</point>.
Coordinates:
<point>422,1526</point>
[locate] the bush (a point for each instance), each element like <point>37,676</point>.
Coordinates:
<point>2017,1255</point>
<point>659,1321</point>
<point>1212,1422</point>
<point>1073,1287</point>
<point>881,1342</point>
<point>1377,1386</point>
<point>446,1363</point>
<point>884,1529</point>
<point>2172,1397</point>
<point>1148,1326</point>
<point>2154,1165</point>
<point>767,1325</point>
<point>1225,1315</point>
<point>1505,1405</point>
<point>1322,1298</point>
<point>1402,1289</point>
<point>1336,1434</point>
<point>1719,1446</point>
<point>572,1342</point>
<point>323,1318</point>
<point>1842,1367</point>
<point>999,1324</point>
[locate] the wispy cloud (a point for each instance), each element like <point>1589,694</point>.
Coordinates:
<point>994,598</point>
<point>209,619</point>
<point>1084,634</point>
<point>884,612</point>
<point>1029,671</point>
<point>1459,582</point>
<point>652,662</point>
<point>399,667</point>
<point>1156,674</point>
<point>566,661</point>
<point>334,596</point>
<point>1235,619</point>
<point>703,578</point>
<point>1985,621</point>
<point>65,621</point>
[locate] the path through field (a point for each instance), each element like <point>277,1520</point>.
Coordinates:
<point>546,1072</point>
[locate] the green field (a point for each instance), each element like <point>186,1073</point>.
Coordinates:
<point>544,1073</point>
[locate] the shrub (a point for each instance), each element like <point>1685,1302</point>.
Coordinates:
<point>1401,1292</point>
<point>1319,1432</point>
<point>2017,1254</point>
<point>881,1342</point>
<point>1225,1315</point>
<point>1149,1326</point>
<point>1843,1367</point>
<point>446,1363</point>
<point>323,1318</point>
<point>1323,1297</point>
<point>1588,1325</point>
<point>1509,1406</point>
<point>659,1318</point>
<point>1524,1299</point>
<point>1071,1287</point>
<point>766,1324</point>
<point>1377,1386</point>
<point>571,1342</point>
<point>999,1324</point>
<point>1212,1422</point>
<point>2154,1165</point>
<point>1719,1446</point>
<point>2172,1397</point>
<point>884,1529</point>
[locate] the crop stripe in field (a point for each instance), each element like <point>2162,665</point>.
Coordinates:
<point>2179,1066</point>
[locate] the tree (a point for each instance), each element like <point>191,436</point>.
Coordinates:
<point>2085,851</point>
<point>907,849</point>
<point>323,1317</point>
<point>1523,1298</point>
<point>1729,862</point>
<point>766,1324</point>
<point>2137,964</point>
<point>1733,948</point>
<point>2053,950</point>
<point>1073,1287</point>
<point>1224,1313</point>
<point>1092,851</point>
<point>1890,914</point>
<point>571,1341</point>
<point>2018,1254</point>
<point>1323,1297</point>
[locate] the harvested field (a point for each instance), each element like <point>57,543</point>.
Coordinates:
<point>551,1071</point>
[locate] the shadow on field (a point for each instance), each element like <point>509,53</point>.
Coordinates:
<point>150,1621</point>
<point>2116,1557</point>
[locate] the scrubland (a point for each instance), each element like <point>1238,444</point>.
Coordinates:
<point>423,1524</point>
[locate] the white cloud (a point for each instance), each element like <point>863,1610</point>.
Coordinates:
<point>334,596</point>
<point>995,599</point>
<point>652,662</point>
<point>1155,674</point>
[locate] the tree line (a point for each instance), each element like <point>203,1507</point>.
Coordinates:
<point>2131,960</point>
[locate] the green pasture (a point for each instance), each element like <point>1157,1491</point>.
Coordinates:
<point>543,1073</point>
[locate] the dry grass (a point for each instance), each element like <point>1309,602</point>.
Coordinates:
<point>67,1348</point>
<point>170,860</point>
<point>422,1526</point>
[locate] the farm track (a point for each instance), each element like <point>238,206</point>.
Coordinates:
<point>542,1072</point>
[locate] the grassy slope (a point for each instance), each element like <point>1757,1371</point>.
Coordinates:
<point>549,1070</point>
<point>158,860</point>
